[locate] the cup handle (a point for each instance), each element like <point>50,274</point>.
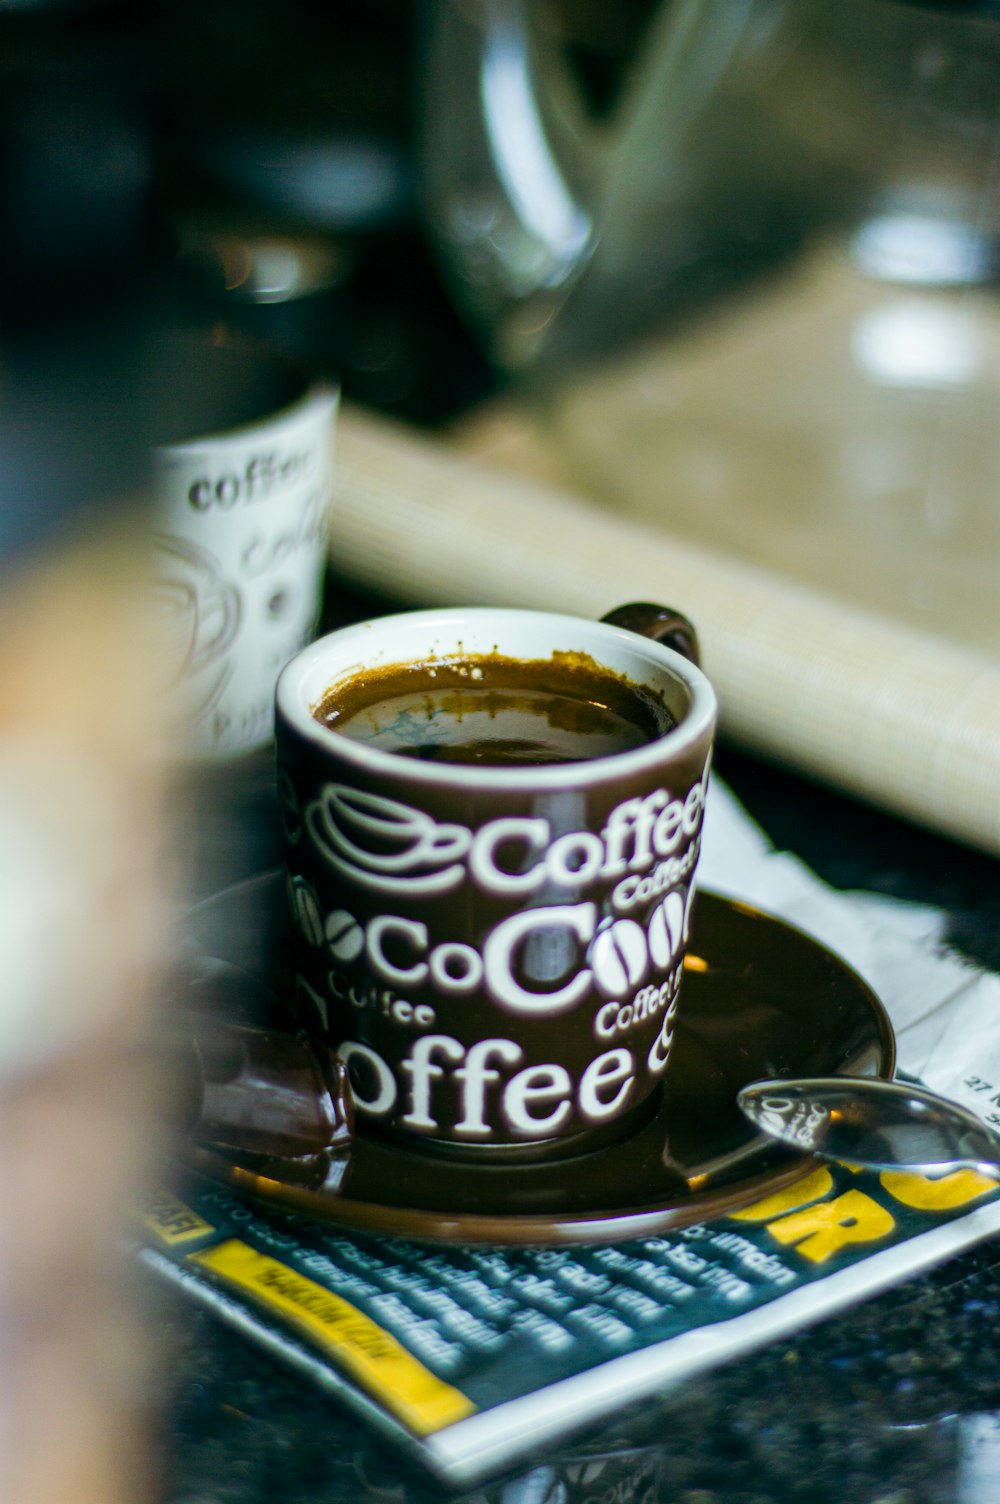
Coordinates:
<point>282,1095</point>
<point>661,624</point>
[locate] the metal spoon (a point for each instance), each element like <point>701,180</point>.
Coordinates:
<point>882,1125</point>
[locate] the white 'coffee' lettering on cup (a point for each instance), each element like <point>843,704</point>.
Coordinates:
<point>628,967</point>
<point>535,1101</point>
<point>351,829</point>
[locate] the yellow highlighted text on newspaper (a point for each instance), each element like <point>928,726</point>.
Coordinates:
<point>372,1356</point>
<point>170,1222</point>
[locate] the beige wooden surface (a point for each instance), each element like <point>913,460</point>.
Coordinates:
<point>831,427</point>
<point>887,713</point>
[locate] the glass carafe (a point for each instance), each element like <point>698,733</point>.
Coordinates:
<point>757,301</point>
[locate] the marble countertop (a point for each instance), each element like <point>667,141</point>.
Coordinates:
<point>895,1402</point>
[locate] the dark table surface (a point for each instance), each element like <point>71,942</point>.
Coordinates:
<point>894,1402</point>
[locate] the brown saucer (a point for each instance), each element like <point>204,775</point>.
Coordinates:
<point>760,999</point>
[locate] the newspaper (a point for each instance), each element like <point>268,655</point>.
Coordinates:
<point>474,1359</point>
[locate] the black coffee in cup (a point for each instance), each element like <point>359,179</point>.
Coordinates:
<point>496,711</point>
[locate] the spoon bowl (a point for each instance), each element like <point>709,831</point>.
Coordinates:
<point>881,1125</point>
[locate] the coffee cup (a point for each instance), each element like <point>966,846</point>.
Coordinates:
<point>242,486</point>
<point>492,820</point>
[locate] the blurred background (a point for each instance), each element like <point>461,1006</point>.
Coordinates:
<point>727,268</point>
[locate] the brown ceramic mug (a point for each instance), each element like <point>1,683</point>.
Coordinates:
<point>492,937</point>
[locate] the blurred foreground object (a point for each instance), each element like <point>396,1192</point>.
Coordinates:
<point>757,301</point>
<point>80,756</point>
<point>78,912</point>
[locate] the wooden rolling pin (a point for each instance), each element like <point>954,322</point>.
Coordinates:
<point>903,720</point>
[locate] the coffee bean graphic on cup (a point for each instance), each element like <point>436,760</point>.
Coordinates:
<point>492,825</point>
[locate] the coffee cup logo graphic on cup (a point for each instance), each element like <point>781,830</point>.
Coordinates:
<point>492,820</point>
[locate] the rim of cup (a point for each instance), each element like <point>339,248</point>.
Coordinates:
<point>410,636</point>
